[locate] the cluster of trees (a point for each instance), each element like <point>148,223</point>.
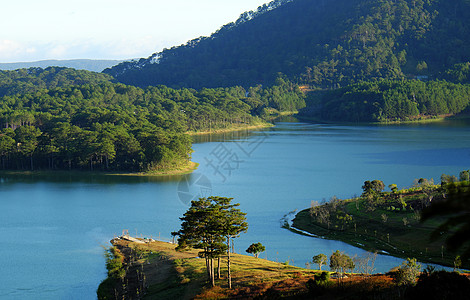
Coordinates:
<point>210,224</point>
<point>60,118</point>
<point>389,100</point>
<point>324,44</point>
<point>340,262</point>
<point>459,73</point>
<point>23,81</point>
<point>447,202</point>
<point>331,212</point>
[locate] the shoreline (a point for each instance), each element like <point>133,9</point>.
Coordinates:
<point>367,242</point>
<point>179,171</point>
<point>231,129</point>
<point>192,166</point>
<point>435,119</point>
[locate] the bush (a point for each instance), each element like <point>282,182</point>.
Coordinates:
<point>440,285</point>
<point>407,272</point>
<point>320,284</point>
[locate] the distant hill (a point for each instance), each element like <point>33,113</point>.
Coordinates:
<point>79,64</point>
<point>324,44</point>
<point>26,81</point>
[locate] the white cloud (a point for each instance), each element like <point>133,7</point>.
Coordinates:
<point>108,29</point>
<point>9,49</point>
<point>59,51</point>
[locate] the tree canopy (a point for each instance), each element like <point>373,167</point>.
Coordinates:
<point>207,224</point>
<point>256,249</point>
<point>391,100</point>
<point>68,119</point>
<point>323,44</point>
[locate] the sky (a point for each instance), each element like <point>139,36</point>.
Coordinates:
<point>34,30</point>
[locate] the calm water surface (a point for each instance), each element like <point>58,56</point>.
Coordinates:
<point>53,228</point>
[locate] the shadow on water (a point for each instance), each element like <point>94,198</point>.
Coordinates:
<point>7,177</point>
<point>225,136</point>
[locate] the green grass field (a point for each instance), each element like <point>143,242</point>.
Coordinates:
<point>387,228</point>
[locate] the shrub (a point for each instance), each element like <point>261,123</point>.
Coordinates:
<point>407,272</point>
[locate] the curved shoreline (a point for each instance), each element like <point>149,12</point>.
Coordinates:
<point>366,242</point>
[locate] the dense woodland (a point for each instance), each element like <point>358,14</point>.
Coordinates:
<point>355,55</point>
<point>323,44</point>
<point>48,121</point>
<point>363,55</point>
<point>389,100</point>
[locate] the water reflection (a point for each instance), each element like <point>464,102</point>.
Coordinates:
<point>224,137</point>
<point>68,215</point>
<point>80,177</point>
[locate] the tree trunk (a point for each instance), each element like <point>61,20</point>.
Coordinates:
<point>212,272</point>
<point>207,268</point>
<point>229,275</point>
<point>31,159</point>
<point>218,267</point>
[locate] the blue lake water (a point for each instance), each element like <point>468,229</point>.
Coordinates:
<point>54,228</point>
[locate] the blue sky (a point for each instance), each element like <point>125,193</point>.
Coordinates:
<point>108,29</point>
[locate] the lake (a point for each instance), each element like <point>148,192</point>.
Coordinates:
<point>54,227</point>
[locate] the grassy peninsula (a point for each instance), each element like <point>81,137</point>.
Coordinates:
<point>155,270</point>
<point>386,222</point>
<point>148,269</point>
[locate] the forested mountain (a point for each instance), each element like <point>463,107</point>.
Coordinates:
<point>69,119</point>
<point>322,43</point>
<point>94,65</point>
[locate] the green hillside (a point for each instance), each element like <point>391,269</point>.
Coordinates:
<point>323,44</point>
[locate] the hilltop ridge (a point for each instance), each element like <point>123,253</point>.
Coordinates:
<point>323,44</point>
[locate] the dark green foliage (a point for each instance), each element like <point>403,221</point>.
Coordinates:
<point>387,100</point>
<point>320,259</point>
<point>326,44</point>
<point>459,73</point>
<point>319,284</point>
<point>107,289</point>
<point>114,263</point>
<point>440,285</point>
<point>341,262</point>
<point>30,80</point>
<point>407,273</point>
<point>207,225</point>
<point>109,126</point>
<point>372,190</point>
<point>256,249</point>
<point>456,209</point>
<point>464,175</point>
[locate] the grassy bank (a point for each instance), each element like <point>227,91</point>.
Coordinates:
<point>156,270</point>
<point>178,170</point>
<point>233,127</point>
<point>391,227</point>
